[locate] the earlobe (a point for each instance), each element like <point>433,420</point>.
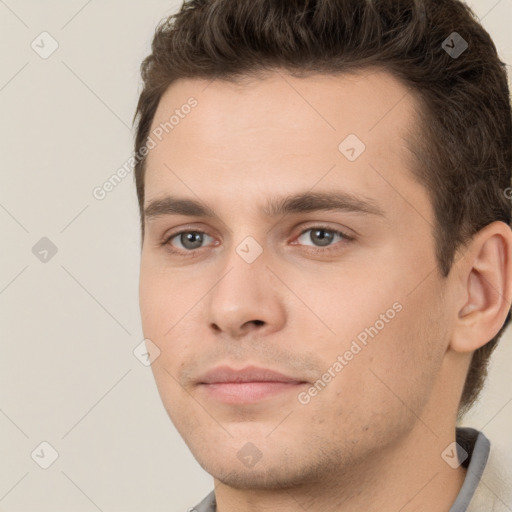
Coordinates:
<point>486,271</point>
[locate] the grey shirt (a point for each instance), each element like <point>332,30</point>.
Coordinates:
<point>472,441</point>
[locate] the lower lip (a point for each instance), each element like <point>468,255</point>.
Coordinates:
<point>247,392</point>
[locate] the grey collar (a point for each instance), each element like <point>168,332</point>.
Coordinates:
<point>478,447</point>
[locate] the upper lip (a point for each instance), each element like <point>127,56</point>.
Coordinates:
<point>222,374</point>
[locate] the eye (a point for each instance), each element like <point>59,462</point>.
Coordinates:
<point>322,236</point>
<point>188,240</point>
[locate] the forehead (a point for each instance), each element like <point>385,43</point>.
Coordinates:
<point>281,133</point>
<point>368,103</point>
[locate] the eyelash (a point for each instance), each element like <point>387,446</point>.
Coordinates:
<point>315,250</point>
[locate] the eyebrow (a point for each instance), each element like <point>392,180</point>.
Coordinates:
<point>277,206</point>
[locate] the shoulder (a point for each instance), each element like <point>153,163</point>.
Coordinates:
<point>207,505</point>
<point>495,486</point>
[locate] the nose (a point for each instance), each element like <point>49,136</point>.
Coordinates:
<point>246,300</point>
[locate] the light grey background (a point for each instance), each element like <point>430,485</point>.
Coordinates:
<point>68,375</point>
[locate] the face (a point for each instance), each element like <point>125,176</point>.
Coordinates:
<point>308,254</point>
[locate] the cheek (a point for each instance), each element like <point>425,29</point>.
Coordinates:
<point>377,390</point>
<point>161,311</point>
<point>171,308</point>
<point>150,289</point>
<point>388,346</point>
<point>163,299</point>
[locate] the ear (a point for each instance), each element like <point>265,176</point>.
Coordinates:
<point>485,272</point>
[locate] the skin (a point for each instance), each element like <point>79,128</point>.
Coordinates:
<point>372,438</point>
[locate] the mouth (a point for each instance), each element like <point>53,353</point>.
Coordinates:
<point>248,385</point>
<point>248,392</point>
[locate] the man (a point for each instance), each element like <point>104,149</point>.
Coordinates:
<point>326,249</point>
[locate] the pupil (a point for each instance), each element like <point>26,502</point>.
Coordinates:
<point>193,238</point>
<point>323,240</point>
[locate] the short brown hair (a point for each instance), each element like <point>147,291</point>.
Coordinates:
<point>464,150</point>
